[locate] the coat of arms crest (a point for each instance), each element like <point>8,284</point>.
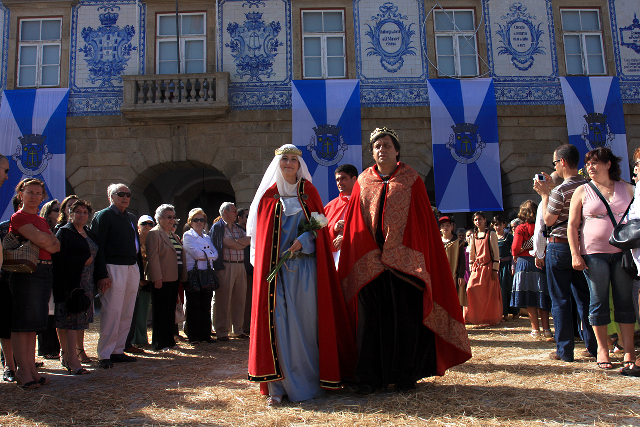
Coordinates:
<point>465,144</point>
<point>596,132</point>
<point>32,155</point>
<point>108,48</point>
<point>327,146</point>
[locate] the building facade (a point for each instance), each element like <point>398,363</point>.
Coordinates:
<point>191,117</point>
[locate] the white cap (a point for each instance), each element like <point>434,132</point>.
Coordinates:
<point>144,218</point>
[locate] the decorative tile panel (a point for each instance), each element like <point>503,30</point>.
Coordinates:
<point>625,28</point>
<point>254,46</point>
<point>107,41</point>
<point>390,44</point>
<point>4,31</point>
<point>521,51</point>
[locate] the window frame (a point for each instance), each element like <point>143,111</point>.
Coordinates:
<point>455,35</point>
<point>582,36</point>
<point>182,39</point>
<point>39,44</point>
<point>323,45</point>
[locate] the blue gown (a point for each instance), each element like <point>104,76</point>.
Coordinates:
<point>296,317</point>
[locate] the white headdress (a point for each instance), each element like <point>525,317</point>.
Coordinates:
<point>286,190</point>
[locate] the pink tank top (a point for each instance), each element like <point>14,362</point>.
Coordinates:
<point>596,224</point>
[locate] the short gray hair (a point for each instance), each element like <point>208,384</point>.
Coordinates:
<point>225,206</point>
<point>162,209</point>
<point>113,189</point>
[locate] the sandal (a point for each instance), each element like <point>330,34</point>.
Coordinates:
<point>85,358</point>
<point>633,371</point>
<point>31,385</point>
<point>628,364</point>
<point>274,400</point>
<point>44,381</point>
<point>79,371</point>
<point>604,365</point>
<point>51,356</point>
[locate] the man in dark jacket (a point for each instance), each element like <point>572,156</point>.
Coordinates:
<point>117,274</point>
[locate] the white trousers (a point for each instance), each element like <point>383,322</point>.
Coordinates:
<point>118,303</point>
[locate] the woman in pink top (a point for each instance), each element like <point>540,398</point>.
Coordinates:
<point>593,254</point>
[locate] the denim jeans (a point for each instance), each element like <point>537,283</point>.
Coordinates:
<point>563,281</point>
<point>602,270</point>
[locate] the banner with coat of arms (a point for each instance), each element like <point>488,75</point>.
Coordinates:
<point>466,157</point>
<point>593,106</point>
<point>326,127</point>
<point>33,128</point>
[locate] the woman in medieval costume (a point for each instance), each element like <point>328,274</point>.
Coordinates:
<point>299,326</point>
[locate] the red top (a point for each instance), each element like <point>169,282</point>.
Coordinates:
<point>21,218</point>
<point>522,233</point>
<point>335,211</point>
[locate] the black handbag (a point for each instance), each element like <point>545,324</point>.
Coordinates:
<point>202,280</point>
<point>628,264</point>
<point>78,301</point>
<point>626,236</point>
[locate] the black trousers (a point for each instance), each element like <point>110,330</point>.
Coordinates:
<point>198,315</point>
<point>394,347</point>
<point>163,309</point>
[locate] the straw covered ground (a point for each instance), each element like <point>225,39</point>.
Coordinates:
<point>509,381</point>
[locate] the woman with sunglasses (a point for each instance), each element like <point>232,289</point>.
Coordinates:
<point>165,271</point>
<point>200,249</point>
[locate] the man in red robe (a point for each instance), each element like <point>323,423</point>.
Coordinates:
<point>395,278</point>
<point>346,177</point>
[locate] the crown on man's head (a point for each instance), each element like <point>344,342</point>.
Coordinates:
<point>378,132</point>
<point>289,149</point>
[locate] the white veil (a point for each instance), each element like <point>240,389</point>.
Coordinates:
<point>271,176</point>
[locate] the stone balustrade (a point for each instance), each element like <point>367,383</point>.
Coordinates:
<point>175,98</point>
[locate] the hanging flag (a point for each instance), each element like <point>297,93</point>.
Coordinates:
<point>33,128</point>
<point>326,127</point>
<point>464,134</point>
<point>593,106</point>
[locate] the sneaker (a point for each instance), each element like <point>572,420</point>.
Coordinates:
<point>548,336</point>
<point>117,358</point>
<point>9,375</point>
<point>535,334</point>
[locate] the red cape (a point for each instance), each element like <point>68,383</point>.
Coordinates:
<point>336,344</point>
<point>334,211</point>
<point>413,246</point>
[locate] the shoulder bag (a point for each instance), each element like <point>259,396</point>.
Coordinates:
<point>19,255</point>
<point>626,236</point>
<point>628,264</point>
<point>202,280</point>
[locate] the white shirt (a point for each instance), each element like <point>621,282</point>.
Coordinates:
<point>199,248</point>
<point>539,241</point>
<point>634,213</point>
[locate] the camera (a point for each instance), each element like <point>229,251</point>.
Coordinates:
<point>539,177</point>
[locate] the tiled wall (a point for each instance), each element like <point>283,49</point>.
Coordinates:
<point>107,41</point>
<point>260,79</point>
<point>4,31</point>
<point>625,23</point>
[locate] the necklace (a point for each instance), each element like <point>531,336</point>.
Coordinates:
<point>605,187</point>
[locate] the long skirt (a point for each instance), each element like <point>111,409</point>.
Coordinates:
<point>530,286</point>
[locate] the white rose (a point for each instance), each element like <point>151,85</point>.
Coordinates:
<point>320,219</point>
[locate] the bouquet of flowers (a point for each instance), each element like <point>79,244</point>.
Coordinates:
<point>316,222</point>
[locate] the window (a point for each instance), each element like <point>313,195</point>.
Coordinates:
<point>39,52</point>
<point>583,49</point>
<point>323,44</point>
<point>192,43</point>
<point>456,49</point>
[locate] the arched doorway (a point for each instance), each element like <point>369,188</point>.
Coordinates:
<point>192,185</point>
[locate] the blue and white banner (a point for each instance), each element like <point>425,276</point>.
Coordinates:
<point>326,127</point>
<point>33,129</point>
<point>464,133</point>
<point>593,106</point>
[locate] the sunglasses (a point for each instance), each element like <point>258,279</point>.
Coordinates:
<point>149,223</point>
<point>198,220</point>
<point>6,171</point>
<point>124,194</point>
<point>55,210</point>
<point>555,161</point>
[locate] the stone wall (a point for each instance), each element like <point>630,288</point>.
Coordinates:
<point>105,149</point>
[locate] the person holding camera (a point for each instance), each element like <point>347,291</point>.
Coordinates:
<point>562,279</point>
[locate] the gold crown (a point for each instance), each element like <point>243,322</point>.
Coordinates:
<point>378,132</point>
<point>289,149</point>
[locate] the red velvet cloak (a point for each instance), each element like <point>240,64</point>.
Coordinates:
<point>334,211</point>
<point>412,246</point>
<point>336,344</point>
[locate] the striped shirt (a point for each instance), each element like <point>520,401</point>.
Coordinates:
<point>178,247</point>
<point>234,233</point>
<point>559,201</point>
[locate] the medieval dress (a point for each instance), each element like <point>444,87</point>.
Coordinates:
<point>397,284</point>
<point>455,251</point>
<point>484,296</point>
<point>296,318</point>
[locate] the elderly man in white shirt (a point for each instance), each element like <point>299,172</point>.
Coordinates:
<point>200,249</point>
